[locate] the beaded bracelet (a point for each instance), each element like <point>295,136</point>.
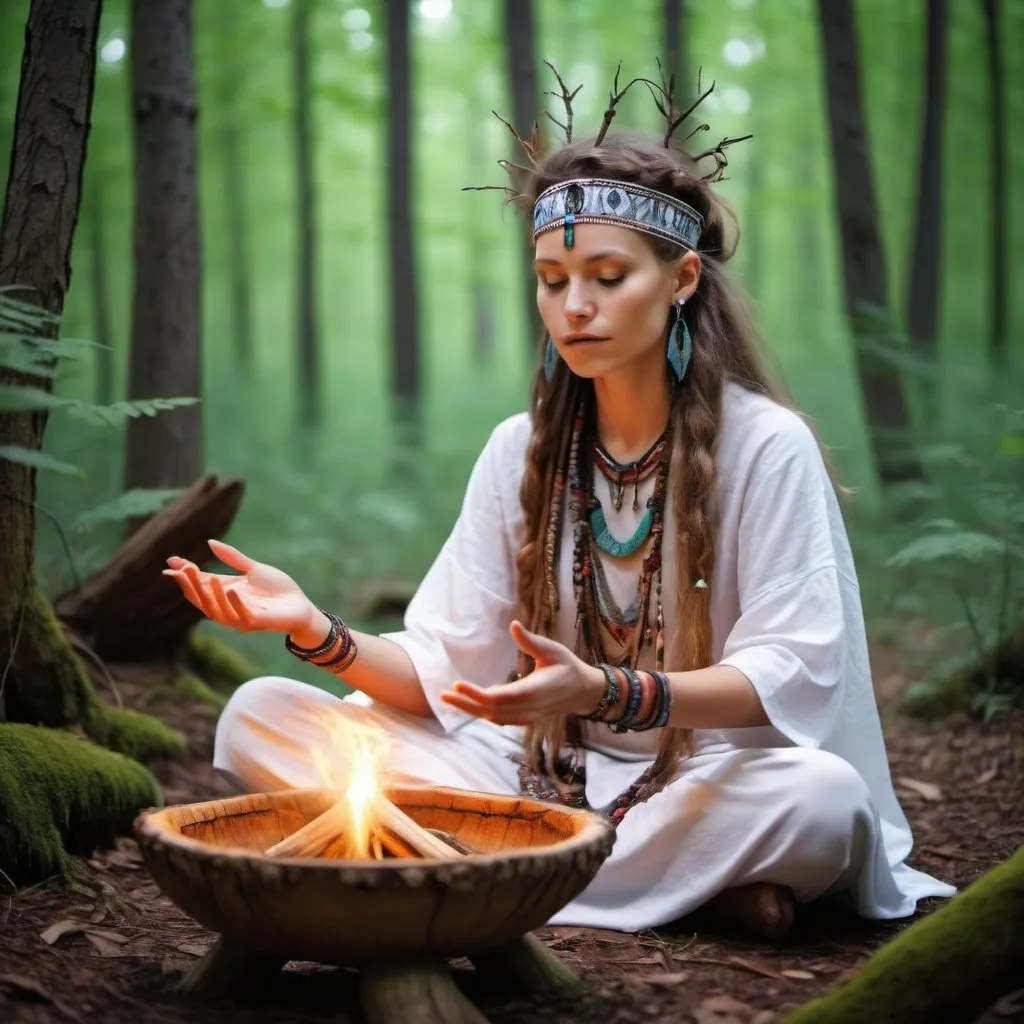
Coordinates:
<point>609,698</point>
<point>309,653</point>
<point>636,696</point>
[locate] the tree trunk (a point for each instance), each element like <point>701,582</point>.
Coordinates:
<point>404,300</point>
<point>50,131</point>
<point>676,56</point>
<point>522,79</point>
<point>305,299</point>
<point>103,335</point>
<point>997,193</point>
<point>236,221</point>
<point>864,273</point>
<point>164,451</point>
<point>926,256</point>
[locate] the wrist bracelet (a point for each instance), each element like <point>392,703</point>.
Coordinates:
<point>308,653</point>
<point>608,698</point>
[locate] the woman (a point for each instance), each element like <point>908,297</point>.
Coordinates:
<point>656,554</point>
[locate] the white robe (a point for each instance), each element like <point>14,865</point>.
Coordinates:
<point>805,802</point>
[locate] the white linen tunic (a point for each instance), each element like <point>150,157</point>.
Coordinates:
<point>805,802</point>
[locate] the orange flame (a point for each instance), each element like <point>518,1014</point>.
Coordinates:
<point>356,770</point>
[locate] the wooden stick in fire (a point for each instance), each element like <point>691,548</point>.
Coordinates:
<point>398,834</point>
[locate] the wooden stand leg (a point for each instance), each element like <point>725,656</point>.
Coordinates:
<point>227,967</point>
<point>528,966</point>
<point>416,990</point>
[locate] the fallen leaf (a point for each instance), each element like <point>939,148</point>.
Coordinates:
<point>103,946</point>
<point>666,979</point>
<point>757,966</point>
<point>97,915</point>
<point>799,975</point>
<point>987,776</point>
<point>59,928</point>
<point>644,961</point>
<point>928,790</point>
<point>1010,1006</point>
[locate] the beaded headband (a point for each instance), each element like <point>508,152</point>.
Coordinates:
<point>600,201</point>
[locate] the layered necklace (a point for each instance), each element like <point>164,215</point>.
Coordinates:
<point>595,606</point>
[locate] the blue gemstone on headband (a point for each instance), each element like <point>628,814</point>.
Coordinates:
<point>574,198</point>
<point>614,199</point>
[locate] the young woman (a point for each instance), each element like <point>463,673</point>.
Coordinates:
<point>648,604</point>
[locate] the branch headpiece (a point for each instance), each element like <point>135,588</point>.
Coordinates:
<point>597,200</point>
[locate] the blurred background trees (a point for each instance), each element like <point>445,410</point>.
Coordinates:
<point>310,268</point>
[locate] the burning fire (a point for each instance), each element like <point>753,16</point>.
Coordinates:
<point>356,770</point>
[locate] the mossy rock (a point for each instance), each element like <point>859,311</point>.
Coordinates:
<point>190,686</point>
<point>218,663</point>
<point>949,966</point>
<point>133,733</point>
<point>62,795</point>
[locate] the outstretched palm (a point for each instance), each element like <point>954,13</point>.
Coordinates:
<point>262,598</point>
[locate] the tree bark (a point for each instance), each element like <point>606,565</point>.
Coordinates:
<point>926,256</point>
<point>997,193</point>
<point>305,299</point>
<point>522,83</point>
<point>864,271</point>
<point>164,361</point>
<point>676,57</point>
<point>43,194</point>
<point>405,345</point>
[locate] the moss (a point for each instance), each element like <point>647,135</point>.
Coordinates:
<point>951,965</point>
<point>62,795</point>
<point>192,687</point>
<point>217,662</point>
<point>132,733</point>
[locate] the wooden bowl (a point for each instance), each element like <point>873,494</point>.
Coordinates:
<point>535,858</point>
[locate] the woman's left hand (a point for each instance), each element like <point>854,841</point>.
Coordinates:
<point>561,684</point>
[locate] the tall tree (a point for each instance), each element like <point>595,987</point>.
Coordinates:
<point>926,255</point>
<point>405,346</point>
<point>521,64</point>
<point>164,360</point>
<point>997,193</point>
<point>43,681</point>
<point>481,295</point>
<point>230,79</point>
<point>676,58</point>
<point>305,298</point>
<point>866,288</point>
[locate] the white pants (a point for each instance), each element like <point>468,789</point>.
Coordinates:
<point>798,817</point>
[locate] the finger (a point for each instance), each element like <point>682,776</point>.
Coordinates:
<point>201,599</point>
<point>220,598</point>
<point>499,716</point>
<point>231,556</point>
<point>538,647</point>
<point>175,562</point>
<point>186,586</point>
<point>244,616</point>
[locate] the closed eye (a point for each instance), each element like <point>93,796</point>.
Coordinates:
<point>611,282</point>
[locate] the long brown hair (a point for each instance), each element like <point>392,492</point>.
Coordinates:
<point>725,348</point>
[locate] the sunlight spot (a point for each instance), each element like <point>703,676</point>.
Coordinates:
<point>360,40</point>
<point>435,8</point>
<point>356,20</point>
<point>276,3</point>
<point>738,52</point>
<point>112,51</point>
<point>736,99</point>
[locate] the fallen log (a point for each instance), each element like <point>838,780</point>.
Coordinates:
<point>127,610</point>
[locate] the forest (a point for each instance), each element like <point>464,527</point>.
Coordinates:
<point>258,282</point>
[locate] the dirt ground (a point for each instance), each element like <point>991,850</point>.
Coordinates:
<point>115,955</point>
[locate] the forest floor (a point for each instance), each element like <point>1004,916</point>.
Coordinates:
<point>116,957</point>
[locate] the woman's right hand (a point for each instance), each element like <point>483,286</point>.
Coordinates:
<point>261,599</point>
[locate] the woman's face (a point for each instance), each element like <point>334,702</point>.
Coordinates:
<point>606,301</point>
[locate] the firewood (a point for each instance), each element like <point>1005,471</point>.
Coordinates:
<point>315,836</point>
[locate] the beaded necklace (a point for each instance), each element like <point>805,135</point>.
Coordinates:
<point>563,775</point>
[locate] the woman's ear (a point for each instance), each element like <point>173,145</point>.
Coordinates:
<point>687,276</point>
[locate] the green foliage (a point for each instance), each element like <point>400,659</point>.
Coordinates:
<point>58,789</point>
<point>138,502</point>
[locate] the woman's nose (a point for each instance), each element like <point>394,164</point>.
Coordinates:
<point>578,303</point>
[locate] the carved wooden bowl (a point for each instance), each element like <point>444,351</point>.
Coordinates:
<point>534,858</point>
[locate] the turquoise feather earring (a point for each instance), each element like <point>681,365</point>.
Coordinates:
<point>680,344</point>
<point>550,359</point>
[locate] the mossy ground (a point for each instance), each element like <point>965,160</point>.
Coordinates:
<point>62,795</point>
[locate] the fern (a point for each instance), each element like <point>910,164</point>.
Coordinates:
<point>142,502</point>
<point>38,460</point>
<point>967,545</point>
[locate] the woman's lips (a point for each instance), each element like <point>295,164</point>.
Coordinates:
<point>584,341</point>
